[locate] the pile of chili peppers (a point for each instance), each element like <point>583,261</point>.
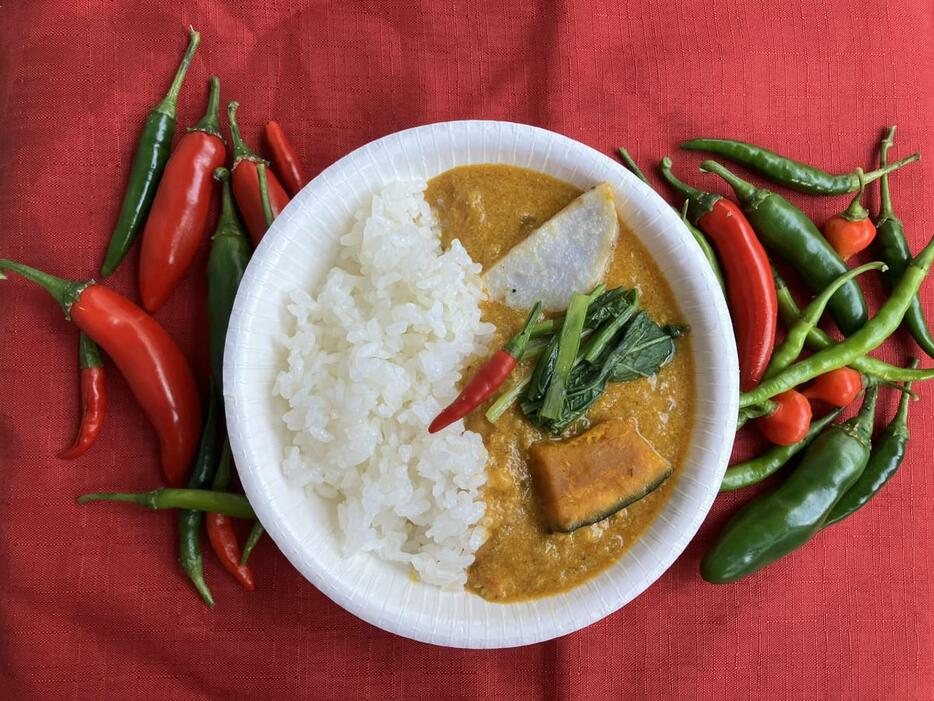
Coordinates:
<point>837,468</point>
<point>169,199</point>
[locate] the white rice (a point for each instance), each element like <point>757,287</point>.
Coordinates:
<point>377,352</point>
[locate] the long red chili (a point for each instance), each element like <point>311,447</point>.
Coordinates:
<point>220,528</point>
<point>179,216</point>
<point>285,159</point>
<point>491,375</point>
<point>749,283</point>
<point>155,369</point>
<point>93,399</point>
<point>245,182</point>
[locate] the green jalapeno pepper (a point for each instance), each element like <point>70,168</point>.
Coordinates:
<point>775,523</point>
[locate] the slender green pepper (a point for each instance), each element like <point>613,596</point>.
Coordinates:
<point>867,339</point>
<point>152,153</point>
<point>788,172</point>
<point>746,474</point>
<point>887,455</point>
<point>227,261</point>
<point>189,520</point>
<point>256,532</point>
<point>798,332</point>
<point>218,502</point>
<point>775,523</point>
<point>696,233</point>
<point>893,249</point>
<point>788,232</point>
<point>818,340</point>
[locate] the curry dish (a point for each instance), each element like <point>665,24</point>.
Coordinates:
<point>490,208</point>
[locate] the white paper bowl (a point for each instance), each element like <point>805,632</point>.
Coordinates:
<point>298,251</point>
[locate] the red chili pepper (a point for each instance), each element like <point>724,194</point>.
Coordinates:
<point>220,527</point>
<point>790,421</point>
<point>285,159</point>
<point>155,369</point>
<point>838,387</point>
<point>491,375</point>
<point>749,283</point>
<point>179,216</point>
<point>852,230</point>
<point>245,182</point>
<point>93,399</point>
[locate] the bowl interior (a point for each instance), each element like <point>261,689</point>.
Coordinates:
<point>299,250</point>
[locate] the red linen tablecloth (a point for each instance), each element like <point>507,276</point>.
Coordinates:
<point>92,602</point>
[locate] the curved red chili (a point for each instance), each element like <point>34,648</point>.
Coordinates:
<point>491,375</point>
<point>93,399</point>
<point>285,159</point>
<point>852,230</point>
<point>179,216</point>
<point>245,182</point>
<point>220,527</point>
<point>790,421</point>
<point>749,283</point>
<point>155,369</point>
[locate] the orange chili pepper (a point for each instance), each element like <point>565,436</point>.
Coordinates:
<point>790,421</point>
<point>852,230</point>
<point>837,387</point>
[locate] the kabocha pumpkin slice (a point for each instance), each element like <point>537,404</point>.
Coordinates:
<point>592,476</point>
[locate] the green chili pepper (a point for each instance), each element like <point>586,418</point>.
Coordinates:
<point>227,261</point>
<point>696,233</point>
<point>798,332</point>
<point>152,153</point>
<point>189,520</point>
<point>746,474</point>
<point>787,231</point>
<point>818,340</point>
<point>788,172</point>
<point>252,539</point>
<point>887,455</point>
<point>893,249</point>
<point>775,523</point>
<point>218,502</point>
<point>868,338</point>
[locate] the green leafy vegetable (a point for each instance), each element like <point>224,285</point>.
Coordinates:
<point>568,344</point>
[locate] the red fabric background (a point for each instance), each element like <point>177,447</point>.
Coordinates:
<point>92,603</point>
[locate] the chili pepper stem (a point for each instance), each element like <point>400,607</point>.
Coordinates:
<point>746,192</point>
<point>227,503</point>
<point>210,122</point>
<point>631,164</point>
<point>517,343</point>
<point>885,195</point>
<point>701,202</point>
<point>242,152</point>
<point>874,175</point>
<point>167,106</point>
<point>900,420</point>
<point>856,211</point>
<point>65,292</point>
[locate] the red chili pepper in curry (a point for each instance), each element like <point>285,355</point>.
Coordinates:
<point>155,369</point>
<point>491,375</point>
<point>179,216</point>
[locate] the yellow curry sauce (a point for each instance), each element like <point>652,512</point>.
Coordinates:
<point>490,208</point>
